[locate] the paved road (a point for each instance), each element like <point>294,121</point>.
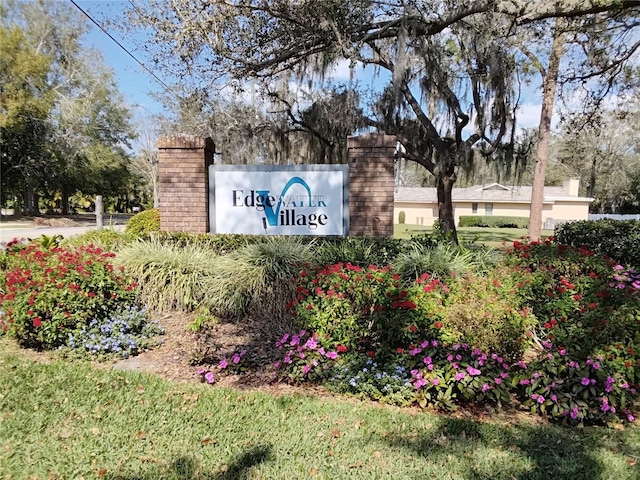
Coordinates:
<point>7,234</point>
<point>28,228</point>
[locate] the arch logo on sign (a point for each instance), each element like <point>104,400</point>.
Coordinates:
<point>279,200</point>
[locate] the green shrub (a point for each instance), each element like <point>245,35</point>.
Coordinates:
<point>493,221</point>
<point>170,277</point>
<point>483,311</point>
<point>48,294</point>
<point>440,262</point>
<point>259,277</point>
<point>107,239</point>
<point>144,223</point>
<point>218,244</point>
<point>617,239</point>
<point>362,251</point>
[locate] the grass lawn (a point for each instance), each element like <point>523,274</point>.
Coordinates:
<point>493,237</point>
<point>73,420</point>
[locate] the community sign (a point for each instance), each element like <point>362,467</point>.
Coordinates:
<point>279,199</point>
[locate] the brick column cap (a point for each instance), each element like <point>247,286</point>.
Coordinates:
<point>369,140</point>
<point>185,142</point>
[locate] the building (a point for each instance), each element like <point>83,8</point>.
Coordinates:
<point>420,205</point>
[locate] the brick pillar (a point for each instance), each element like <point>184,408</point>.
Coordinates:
<point>184,183</point>
<point>371,184</point>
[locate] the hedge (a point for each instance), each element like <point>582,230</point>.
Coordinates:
<point>493,222</point>
<point>617,239</point>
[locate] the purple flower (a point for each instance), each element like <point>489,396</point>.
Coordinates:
<point>473,371</point>
<point>223,364</point>
<point>332,355</point>
<point>554,398</point>
<point>425,344</point>
<point>287,359</point>
<point>459,376</point>
<point>449,358</point>
<point>546,344</point>
<point>277,364</point>
<point>427,360</point>
<point>430,367</point>
<point>497,380</point>
<point>574,413</point>
<point>200,371</point>
<point>301,355</point>
<point>321,350</point>
<point>420,382</point>
<point>434,343</point>
<point>236,359</point>
<point>585,381</point>
<point>435,381</point>
<point>209,377</point>
<point>458,357</point>
<point>415,351</point>
<point>540,399</point>
<point>596,366</point>
<point>295,340</point>
<point>524,381</point>
<point>562,352</point>
<point>485,387</point>
<point>311,343</point>
<point>306,369</point>
<point>521,364</point>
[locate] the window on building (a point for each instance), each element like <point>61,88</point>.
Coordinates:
<point>474,208</point>
<point>488,208</point>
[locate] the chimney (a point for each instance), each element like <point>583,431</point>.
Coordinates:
<point>572,186</point>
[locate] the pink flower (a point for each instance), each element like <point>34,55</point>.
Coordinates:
<point>223,364</point>
<point>459,376</point>
<point>473,371</point>
<point>332,355</point>
<point>209,377</point>
<point>306,369</point>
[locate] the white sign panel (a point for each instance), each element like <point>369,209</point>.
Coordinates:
<point>279,200</point>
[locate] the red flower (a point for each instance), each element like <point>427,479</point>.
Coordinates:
<point>341,348</point>
<point>91,294</point>
<point>412,328</point>
<point>400,350</point>
<point>371,354</point>
<point>37,322</point>
<point>438,325</point>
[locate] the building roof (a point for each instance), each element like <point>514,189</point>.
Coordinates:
<point>485,193</point>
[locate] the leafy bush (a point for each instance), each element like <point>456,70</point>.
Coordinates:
<point>366,309</point>
<point>107,239</point>
<point>441,262</point>
<point>484,311</point>
<point>493,221</point>
<point>618,239</point>
<point>144,223</point>
<point>49,293</point>
<point>362,251</point>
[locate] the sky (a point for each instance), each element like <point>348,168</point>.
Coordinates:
<point>137,85</point>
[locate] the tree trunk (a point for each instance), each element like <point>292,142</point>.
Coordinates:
<point>30,201</point>
<point>65,201</point>
<point>549,82</point>
<point>445,182</point>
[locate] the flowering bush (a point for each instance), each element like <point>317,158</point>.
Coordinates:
<point>234,364</point>
<point>445,374</point>
<point>564,388</point>
<point>364,377</point>
<point>367,308</point>
<point>588,301</point>
<point>49,293</point>
<point>304,358</point>
<point>124,333</point>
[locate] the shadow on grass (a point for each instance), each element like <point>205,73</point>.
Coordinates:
<point>485,450</point>
<point>185,468</point>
